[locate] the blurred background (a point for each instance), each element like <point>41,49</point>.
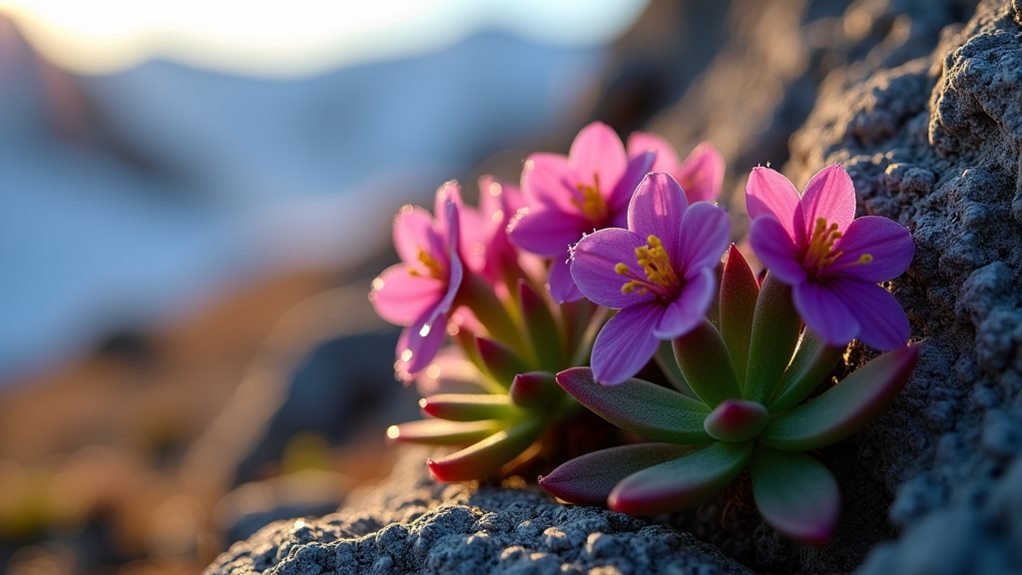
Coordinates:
<point>194,197</point>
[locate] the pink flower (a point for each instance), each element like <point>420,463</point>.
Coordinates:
<point>701,175</point>
<point>419,292</point>
<point>832,260</point>
<point>658,272</point>
<point>567,196</point>
<point>485,244</point>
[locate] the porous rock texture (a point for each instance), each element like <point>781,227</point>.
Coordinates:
<point>921,101</point>
<point>412,524</point>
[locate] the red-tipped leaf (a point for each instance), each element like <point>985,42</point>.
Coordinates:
<point>652,411</point>
<point>738,293</point>
<point>541,327</point>
<point>680,483</point>
<point>845,408</point>
<point>813,362</point>
<point>736,420</point>
<point>485,458</point>
<point>500,362</point>
<point>535,389</point>
<point>796,494</point>
<point>590,478</point>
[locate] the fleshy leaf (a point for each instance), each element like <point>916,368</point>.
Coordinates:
<point>738,293</point>
<point>845,408</point>
<point>590,478</point>
<point>501,363</point>
<point>668,365</point>
<point>535,389</point>
<point>796,494</point>
<point>468,406</point>
<point>680,483</point>
<point>704,360</point>
<point>484,458</point>
<point>541,327</point>
<point>775,329</point>
<point>736,420</point>
<point>813,361</point>
<point>442,432</point>
<point>652,411</point>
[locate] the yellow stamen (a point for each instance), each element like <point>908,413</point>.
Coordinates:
<point>821,253</point>
<point>429,262</point>
<point>656,264</point>
<point>590,201</point>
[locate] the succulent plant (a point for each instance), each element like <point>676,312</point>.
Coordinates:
<point>741,405</point>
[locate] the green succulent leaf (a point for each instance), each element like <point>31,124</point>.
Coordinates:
<point>534,389</point>
<point>668,365</point>
<point>796,494</point>
<point>813,362</point>
<point>541,328</point>
<point>589,479</point>
<point>775,329</point>
<point>704,360</point>
<point>502,363</point>
<point>845,408</point>
<point>738,293</point>
<point>443,432</point>
<point>468,406</point>
<point>652,411</point>
<point>485,458</point>
<point>680,483</point>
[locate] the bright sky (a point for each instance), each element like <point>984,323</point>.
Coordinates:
<point>294,37</point>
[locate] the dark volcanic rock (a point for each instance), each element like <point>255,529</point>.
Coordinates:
<point>414,525</point>
<point>935,143</point>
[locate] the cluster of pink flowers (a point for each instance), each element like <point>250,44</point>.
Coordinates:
<point>608,262</point>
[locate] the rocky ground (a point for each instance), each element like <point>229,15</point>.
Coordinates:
<point>920,101</point>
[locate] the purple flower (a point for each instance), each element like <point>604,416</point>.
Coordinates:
<point>567,196</point>
<point>658,272</point>
<point>832,260</point>
<point>701,175</point>
<point>419,292</point>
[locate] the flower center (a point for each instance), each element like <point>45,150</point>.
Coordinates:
<point>589,200</point>
<point>433,268</point>
<point>660,278</point>
<point>821,255</point>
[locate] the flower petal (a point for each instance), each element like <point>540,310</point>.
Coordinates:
<point>562,286</point>
<point>887,242</point>
<point>637,169</point>
<point>400,297</point>
<point>829,195</point>
<point>666,157</point>
<point>597,150</point>
<point>625,344</point>
<point>593,262</point>
<point>689,308</point>
<point>705,232</point>
<point>701,175</point>
<point>546,232</point>
<point>825,312</point>
<point>448,193</point>
<point>775,248</point>
<point>419,344</point>
<point>657,208</point>
<point>548,180</point>
<point>414,231</point>
<point>768,193</point>
<point>882,322</point>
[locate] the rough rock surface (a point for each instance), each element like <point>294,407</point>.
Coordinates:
<point>414,525</point>
<point>935,143</point>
